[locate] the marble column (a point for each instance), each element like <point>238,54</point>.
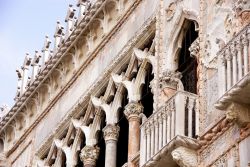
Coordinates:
<point>111,134</point>
<point>89,155</point>
<point>132,111</point>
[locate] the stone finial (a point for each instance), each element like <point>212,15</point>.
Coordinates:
<point>83,6</point>
<point>111,132</point>
<point>36,58</point>
<point>89,155</point>
<point>4,109</point>
<point>58,35</point>
<point>59,29</point>
<point>27,61</point>
<point>47,43</point>
<point>70,13</point>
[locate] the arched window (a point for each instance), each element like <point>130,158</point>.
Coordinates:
<point>187,65</point>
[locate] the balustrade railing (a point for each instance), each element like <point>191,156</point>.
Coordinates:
<point>178,117</point>
<point>234,60</point>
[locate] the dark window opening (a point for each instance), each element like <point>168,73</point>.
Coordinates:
<point>187,65</point>
<point>101,144</point>
<point>147,96</point>
<point>122,144</point>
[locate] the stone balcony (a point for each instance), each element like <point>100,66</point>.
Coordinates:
<point>233,70</point>
<point>172,127</point>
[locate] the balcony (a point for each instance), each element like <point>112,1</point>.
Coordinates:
<point>173,126</point>
<point>233,71</point>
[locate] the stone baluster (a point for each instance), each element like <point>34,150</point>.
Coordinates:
<point>168,126</point>
<point>89,155</point>
<point>45,50</point>
<point>245,53</point>
<point>190,116</point>
<point>229,68</point>
<point>222,74</point>
<point>35,65</point>
<point>148,135</point>
<point>164,130</point>
<point>234,62</point>
<point>111,134</point>
<point>143,144</point>
<point>83,6</point>
<point>172,110</point>
<point>239,59</point>
<point>70,20</point>
<point>152,127</point>
<point>156,130</point>
<point>25,68</point>
<point>58,35</point>
<point>132,112</point>
<point>160,131</point>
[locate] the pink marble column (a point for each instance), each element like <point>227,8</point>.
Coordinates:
<point>132,111</point>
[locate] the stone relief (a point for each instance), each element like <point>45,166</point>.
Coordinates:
<point>185,157</point>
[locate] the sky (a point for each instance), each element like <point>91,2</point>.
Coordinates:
<point>23,26</point>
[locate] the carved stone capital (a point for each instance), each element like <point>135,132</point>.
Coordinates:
<point>171,79</point>
<point>195,48</point>
<point>89,155</point>
<point>133,110</point>
<point>111,132</point>
<point>185,157</point>
<point>239,114</point>
<point>242,11</point>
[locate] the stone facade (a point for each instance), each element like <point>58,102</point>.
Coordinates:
<point>135,83</point>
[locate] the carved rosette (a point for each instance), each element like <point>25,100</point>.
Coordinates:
<point>111,132</point>
<point>170,79</point>
<point>133,110</point>
<point>89,155</point>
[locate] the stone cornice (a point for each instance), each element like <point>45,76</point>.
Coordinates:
<point>140,35</point>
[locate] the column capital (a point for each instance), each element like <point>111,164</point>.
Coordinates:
<point>133,110</point>
<point>89,155</point>
<point>111,132</point>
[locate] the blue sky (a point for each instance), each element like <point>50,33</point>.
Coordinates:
<point>23,26</point>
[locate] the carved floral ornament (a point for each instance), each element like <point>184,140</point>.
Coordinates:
<point>89,155</point>
<point>133,110</point>
<point>111,132</point>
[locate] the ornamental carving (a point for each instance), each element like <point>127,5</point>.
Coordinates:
<point>195,48</point>
<point>170,11</point>
<point>185,157</point>
<point>242,11</point>
<point>133,110</point>
<point>89,155</point>
<point>171,79</point>
<point>239,114</point>
<point>111,132</point>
